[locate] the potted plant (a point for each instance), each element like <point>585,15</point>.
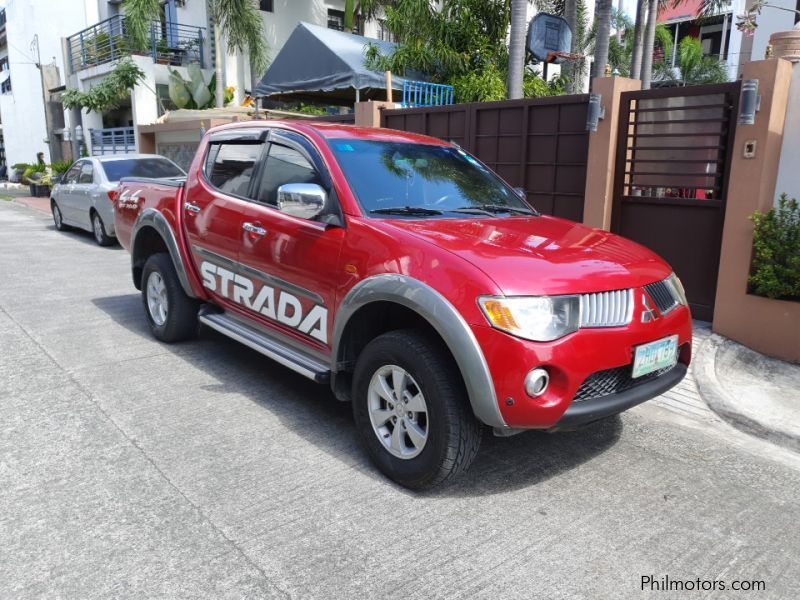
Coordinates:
<point>163,52</point>
<point>39,180</point>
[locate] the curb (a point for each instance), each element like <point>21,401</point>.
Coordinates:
<point>704,369</point>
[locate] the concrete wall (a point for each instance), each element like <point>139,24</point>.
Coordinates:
<point>769,326</point>
<point>789,170</point>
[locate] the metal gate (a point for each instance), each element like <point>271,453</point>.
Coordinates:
<point>538,144</point>
<point>673,159</point>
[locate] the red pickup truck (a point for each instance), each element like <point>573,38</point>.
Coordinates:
<point>405,274</point>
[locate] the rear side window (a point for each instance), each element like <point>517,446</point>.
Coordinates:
<point>284,165</point>
<point>141,167</point>
<point>87,173</point>
<point>229,166</point>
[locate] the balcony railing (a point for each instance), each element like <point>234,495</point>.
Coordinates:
<point>113,140</point>
<point>109,40</point>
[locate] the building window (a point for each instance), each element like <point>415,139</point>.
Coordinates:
<point>5,87</point>
<point>4,63</point>
<point>336,19</point>
<point>266,6</point>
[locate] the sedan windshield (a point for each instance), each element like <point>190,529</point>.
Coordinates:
<point>408,180</point>
<point>141,167</point>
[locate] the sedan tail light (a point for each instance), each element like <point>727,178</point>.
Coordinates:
<point>112,195</point>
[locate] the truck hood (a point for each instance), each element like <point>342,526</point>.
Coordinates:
<point>542,255</point>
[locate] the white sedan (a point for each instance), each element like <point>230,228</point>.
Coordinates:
<point>83,197</point>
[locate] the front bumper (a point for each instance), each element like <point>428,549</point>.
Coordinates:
<point>570,361</point>
<point>583,413</point>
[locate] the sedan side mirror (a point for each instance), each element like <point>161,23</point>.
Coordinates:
<point>304,200</point>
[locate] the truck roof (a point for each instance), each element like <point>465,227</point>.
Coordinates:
<point>331,130</point>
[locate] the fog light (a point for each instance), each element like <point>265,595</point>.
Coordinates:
<point>536,382</point>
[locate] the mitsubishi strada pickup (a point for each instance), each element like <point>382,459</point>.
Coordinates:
<point>403,273</point>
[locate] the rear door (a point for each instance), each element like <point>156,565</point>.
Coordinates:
<point>215,201</point>
<point>292,262</point>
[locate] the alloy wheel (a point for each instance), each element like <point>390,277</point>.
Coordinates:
<point>157,302</point>
<point>398,412</point>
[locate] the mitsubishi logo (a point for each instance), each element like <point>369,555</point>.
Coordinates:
<point>648,314</point>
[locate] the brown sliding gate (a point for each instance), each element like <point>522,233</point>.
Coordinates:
<point>539,144</point>
<point>673,158</point>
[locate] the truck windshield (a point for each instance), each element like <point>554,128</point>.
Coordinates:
<point>409,180</point>
<point>141,167</point>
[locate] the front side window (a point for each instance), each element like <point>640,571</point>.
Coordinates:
<point>408,179</point>
<point>87,173</point>
<point>73,173</point>
<point>284,165</point>
<point>230,166</point>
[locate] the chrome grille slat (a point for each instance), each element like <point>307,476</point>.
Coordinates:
<point>606,309</point>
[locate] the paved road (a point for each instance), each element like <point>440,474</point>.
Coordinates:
<point>132,469</point>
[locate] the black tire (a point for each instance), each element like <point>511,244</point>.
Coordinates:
<point>453,432</point>
<point>58,218</point>
<point>99,230</point>
<point>180,321</point>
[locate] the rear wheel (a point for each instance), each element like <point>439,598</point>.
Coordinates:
<point>58,219</point>
<point>411,412</point>
<point>171,314</point>
<point>99,231</point>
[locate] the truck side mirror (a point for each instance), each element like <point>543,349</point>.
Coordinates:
<point>304,200</point>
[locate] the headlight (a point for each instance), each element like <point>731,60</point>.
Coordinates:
<point>536,318</point>
<point>677,289</point>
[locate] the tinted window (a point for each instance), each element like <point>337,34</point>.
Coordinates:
<point>400,174</point>
<point>229,166</point>
<point>86,175</point>
<point>284,165</point>
<point>71,176</point>
<point>141,167</point>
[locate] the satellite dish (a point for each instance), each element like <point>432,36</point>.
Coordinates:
<point>549,36</point>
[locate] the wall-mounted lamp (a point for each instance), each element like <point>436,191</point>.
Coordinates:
<point>78,133</point>
<point>594,112</point>
<point>749,102</point>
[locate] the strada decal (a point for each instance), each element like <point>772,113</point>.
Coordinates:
<point>288,310</point>
<point>129,200</point>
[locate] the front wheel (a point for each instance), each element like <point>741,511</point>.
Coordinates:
<point>58,219</point>
<point>171,314</point>
<point>411,410</point>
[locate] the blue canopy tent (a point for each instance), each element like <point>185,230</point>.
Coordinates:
<point>325,65</point>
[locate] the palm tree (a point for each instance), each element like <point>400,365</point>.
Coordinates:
<point>638,31</point>
<point>570,69</point>
<point>516,48</point>
<point>240,21</point>
<point>692,66</point>
<point>649,42</point>
<point>603,19</point>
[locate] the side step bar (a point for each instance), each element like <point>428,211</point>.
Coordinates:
<point>269,347</point>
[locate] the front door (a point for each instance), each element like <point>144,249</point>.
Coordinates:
<point>294,260</point>
<point>213,212</point>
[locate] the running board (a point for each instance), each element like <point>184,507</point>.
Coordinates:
<point>269,347</point>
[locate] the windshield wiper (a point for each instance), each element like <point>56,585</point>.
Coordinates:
<point>471,210</point>
<point>501,208</point>
<point>407,210</point>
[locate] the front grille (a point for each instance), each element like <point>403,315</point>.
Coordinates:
<point>607,309</point>
<point>613,381</point>
<point>662,295</point>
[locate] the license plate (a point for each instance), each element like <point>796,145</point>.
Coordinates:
<point>655,355</point>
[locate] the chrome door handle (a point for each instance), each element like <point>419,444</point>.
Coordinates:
<point>254,229</point>
<point>192,207</point>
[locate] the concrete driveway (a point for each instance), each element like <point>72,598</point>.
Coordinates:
<point>133,469</point>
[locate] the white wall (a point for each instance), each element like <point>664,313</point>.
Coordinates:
<point>22,110</point>
<point>788,172</point>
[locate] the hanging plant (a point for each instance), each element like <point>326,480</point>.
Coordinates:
<point>108,93</point>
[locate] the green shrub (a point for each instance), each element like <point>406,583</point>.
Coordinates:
<point>60,166</point>
<point>775,270</point>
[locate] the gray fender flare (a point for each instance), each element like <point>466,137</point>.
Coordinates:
<point>444,318</point>
<point>150,217</point>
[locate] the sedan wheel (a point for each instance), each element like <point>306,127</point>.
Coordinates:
<point>58,220</point>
